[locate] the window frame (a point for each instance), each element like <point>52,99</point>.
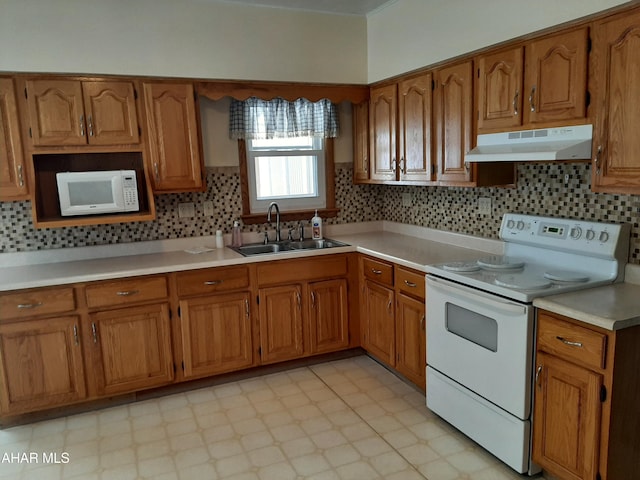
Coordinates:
<point>251,218</point>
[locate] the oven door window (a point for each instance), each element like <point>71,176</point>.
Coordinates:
<point>472,326</point>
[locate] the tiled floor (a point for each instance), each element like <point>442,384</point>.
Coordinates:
<point>349,419</point>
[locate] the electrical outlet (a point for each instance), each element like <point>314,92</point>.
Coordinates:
<point>186,210</point>
<point>208,208</point>
<point>484,206</point>
<point>407,200</point>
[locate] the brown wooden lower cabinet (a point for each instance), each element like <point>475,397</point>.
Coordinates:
<point>410,338</point>
<point>41,364</point>
<point>131,348</point>
<point>75,343</point>
<point>216,334</point>
<point>586,412</point>
<point>378,315</point>
<point>281,323</point>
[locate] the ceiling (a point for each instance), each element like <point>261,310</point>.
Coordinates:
<point>342,7</point>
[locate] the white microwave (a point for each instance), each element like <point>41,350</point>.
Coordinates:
<point>87,193</point>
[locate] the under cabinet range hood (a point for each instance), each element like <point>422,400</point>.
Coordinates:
<point>546,144</point>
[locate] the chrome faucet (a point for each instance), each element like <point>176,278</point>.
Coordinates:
<point>271,205</point>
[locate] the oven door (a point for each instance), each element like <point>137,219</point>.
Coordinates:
<point>481,341</point>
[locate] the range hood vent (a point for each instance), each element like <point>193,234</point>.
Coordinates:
<point>547,144</point>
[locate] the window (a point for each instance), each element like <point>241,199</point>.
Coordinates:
<point>290,171</point>
<point>286,156</point>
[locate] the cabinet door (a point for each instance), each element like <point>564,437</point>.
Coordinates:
<point>411,360</point>
<point>132,347</point>
<point>567,414</point>
<point>378,322</point>
<point>454,122</point>
<point>328,315</point>
<point>414,127</point>
<point>500,89</point>
<point>110,109</point>
<point>616,143</point>
<point>174,142</point>
<point>361,142</point>
<point>556,77</point>
<point>13,182</point>
<point>56,112</point>
<point>41,364</point>
<point>382,132</point>
<point>281,323</point>
<point>216,334</point>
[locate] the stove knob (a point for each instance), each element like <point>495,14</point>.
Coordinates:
<point>604,236</point>
<point>576,233</point>
<point>591,234</point>
<point>510,224</point>
<point>520,225</point>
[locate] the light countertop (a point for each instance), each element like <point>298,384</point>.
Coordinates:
<point>67,266</point>
<point>611,307</point>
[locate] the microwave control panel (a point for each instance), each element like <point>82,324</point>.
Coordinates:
<point>130,192</point>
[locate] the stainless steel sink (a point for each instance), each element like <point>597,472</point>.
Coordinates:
<point>286,246</point>
<point>314,244</point>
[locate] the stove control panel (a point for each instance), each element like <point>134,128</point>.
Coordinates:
<point>576,236</point>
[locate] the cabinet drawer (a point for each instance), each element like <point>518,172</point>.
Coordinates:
<point>209,280</point>
<point>570,341</point>
<point>32,303</point>
<point>302,269</point>
<point>410,282</point>
<point>378,271</point>
<point>121,292</point>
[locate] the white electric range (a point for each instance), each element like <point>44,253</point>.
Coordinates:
<point>481,324</point>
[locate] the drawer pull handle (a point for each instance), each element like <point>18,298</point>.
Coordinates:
<point>313,300</point>
<point>246,307</point>
<point>76,340</point>
<point>422,322</point>
<point>377,272</point>
<point>410,284</point>
<point>213,282</point>
<point>29,305</point>
<point>538,372</point>
<point>569,342</point>
<point>127,293</point>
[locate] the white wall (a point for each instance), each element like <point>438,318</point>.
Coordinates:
<point>186,38</point>
<point>410,34</point>
<point>220,151</point>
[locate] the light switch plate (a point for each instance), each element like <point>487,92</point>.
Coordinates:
<point>484,206</point>
<point>207,207</point>
<point>186,210</point>
<point>407,200</point>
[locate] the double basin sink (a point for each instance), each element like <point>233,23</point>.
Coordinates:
<point>287,246</point>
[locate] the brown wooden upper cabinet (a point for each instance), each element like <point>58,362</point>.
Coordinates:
<point>541,82</point>
<point>175,159</point>
<point>400,131</point>
<point>361,142</point>
<point>616,78</point>
<point>13,181</point>
<point>76,113</point>
<point>454,122</point>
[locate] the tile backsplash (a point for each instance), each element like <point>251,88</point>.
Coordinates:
<point>541,190</point>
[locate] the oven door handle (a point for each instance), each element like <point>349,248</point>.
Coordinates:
<point>479,296</point>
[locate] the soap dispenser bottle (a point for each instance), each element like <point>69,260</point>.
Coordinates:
<point>316,227</point>
<point>236,235</point>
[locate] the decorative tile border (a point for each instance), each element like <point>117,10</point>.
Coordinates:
<point>541,191</point>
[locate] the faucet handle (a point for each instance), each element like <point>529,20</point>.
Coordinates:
<point>290,235</point>
<point>265,240</point>
<point>300,231</point>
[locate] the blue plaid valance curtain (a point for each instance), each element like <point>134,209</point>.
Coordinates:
<point>256,119</point>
